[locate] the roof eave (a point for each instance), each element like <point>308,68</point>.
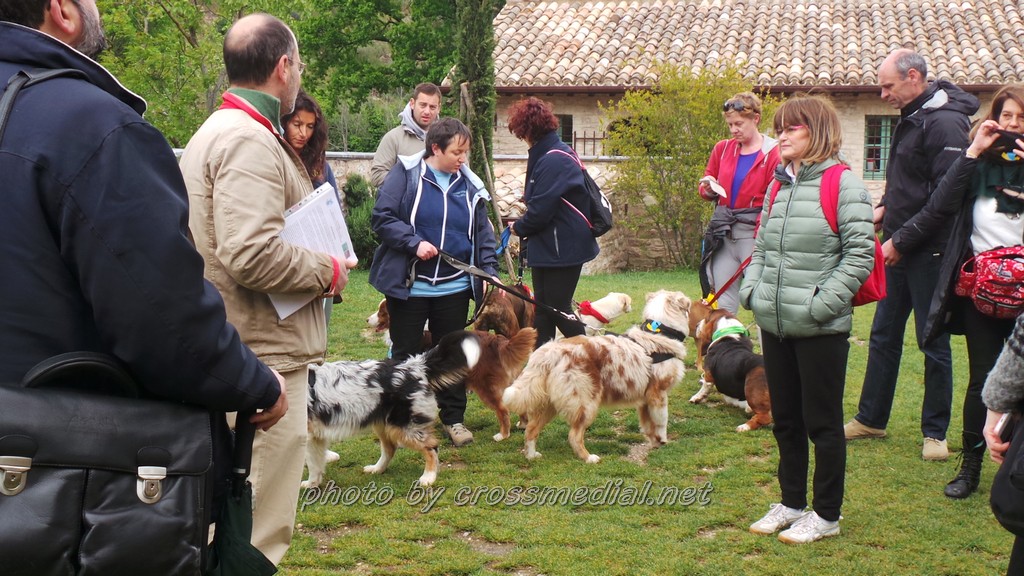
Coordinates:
<point>775,89</point>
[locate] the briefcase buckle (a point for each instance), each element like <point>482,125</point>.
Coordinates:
<point>149,486</point>
<point>15,474</point>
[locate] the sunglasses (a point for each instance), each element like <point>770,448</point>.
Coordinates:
<point>736,105</point>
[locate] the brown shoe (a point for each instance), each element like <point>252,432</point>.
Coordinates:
<point>459,434</point>
<point>856,431</point>
<point>934,450</point>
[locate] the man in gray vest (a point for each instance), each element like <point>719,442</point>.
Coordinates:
<point>407,138</point>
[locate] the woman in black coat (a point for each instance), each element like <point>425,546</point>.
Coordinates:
<point>556,223</point>
<point>979,192</point>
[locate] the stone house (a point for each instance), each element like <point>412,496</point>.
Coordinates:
<point>580,54</point>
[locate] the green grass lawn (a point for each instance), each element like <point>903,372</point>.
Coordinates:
<point>704,488</point>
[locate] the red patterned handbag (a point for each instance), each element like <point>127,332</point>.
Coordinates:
<point>994,281</point>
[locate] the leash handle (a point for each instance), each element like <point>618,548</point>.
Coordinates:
<point>460,265</point>
<point>739,271</point>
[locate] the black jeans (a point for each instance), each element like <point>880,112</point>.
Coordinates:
<point>1016,566</point>
<point>985,337</point>
<point>806,379</point>
<point>555,287</point>
<point>441,315</point>
<point>909,287</point>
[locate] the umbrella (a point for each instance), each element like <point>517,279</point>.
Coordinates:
<point>232,552</point>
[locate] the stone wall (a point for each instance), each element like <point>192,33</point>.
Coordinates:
<point>619,251</point>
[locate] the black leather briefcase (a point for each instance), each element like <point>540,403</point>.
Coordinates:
<point>100,484</point>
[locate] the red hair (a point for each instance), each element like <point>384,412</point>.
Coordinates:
<point>530,119</point>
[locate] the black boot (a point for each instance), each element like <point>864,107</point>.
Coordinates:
<point>967,480</point>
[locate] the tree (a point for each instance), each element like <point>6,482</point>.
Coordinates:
<point>357,49</point>
<point>169,52</point>
<point>476,72</point>
<point>665,135</point>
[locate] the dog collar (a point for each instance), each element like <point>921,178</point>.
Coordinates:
<point>655,327</point>
<point>729,331</point>
<point>659,357</point>
<point>588,310</point>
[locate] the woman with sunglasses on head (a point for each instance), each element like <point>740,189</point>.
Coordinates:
<point>983,192</point>
<point>738,172</point>
<point>800,284</point>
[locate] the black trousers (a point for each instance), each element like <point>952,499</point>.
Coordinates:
<point>441,315</point>
<point>985,337</point>
<point>555,287</point>
<point>806,379</point>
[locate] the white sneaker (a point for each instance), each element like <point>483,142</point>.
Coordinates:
<point>777,518</point>
<point>810,528</point>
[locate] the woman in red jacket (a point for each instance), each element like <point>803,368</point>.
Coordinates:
<point>738,174</point>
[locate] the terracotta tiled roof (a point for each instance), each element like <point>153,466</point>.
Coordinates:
<point>780,43</point>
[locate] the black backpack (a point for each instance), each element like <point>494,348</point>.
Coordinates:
<point>600,221</point>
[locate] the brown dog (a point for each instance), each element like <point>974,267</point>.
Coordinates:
<point>699,311</point>
<point>501,361</point>
<point>380,322</point>
<point>504,313</point>
<point>731,366</point>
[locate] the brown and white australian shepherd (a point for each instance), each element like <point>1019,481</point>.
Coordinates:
<point>575,376</point>
<point>501,360</point>
<point>395,399</point>
<point>731,366</point>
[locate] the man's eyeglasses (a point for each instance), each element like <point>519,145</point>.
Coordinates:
<point>302,65</point>
<point>736,105</point>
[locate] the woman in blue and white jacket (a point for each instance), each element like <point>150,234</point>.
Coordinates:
<point>800,284</point>
<point>432,202</point>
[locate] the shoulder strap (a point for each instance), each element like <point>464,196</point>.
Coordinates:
<point>574,156</point>
<point>830,194</point>
<point>25,78</point>
<point>579,163</point>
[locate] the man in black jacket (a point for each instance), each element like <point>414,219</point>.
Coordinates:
<point>94,244</point>
<point>931,134</point>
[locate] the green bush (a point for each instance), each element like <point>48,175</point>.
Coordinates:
<point>359,207</point>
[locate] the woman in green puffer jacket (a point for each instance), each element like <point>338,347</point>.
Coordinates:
<point>800,284</point>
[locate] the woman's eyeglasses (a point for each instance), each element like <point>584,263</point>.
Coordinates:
<point>736,105</point>
<point>788,130</point>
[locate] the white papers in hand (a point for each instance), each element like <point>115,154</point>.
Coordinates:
<point>315,223</point>
<point>715,186</point>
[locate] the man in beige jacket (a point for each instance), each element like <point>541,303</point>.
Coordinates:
<point>241,177</point>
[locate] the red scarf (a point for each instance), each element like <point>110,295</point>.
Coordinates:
<point>588,310</point>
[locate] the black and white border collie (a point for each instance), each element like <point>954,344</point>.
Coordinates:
<point>395,399</point>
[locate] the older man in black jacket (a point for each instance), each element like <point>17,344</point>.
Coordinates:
<point>931,134</point>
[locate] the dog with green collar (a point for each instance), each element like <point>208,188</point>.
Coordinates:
<point>732,367</point>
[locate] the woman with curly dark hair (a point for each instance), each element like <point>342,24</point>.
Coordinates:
<point>556,221</point>
<point>306,131</point>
